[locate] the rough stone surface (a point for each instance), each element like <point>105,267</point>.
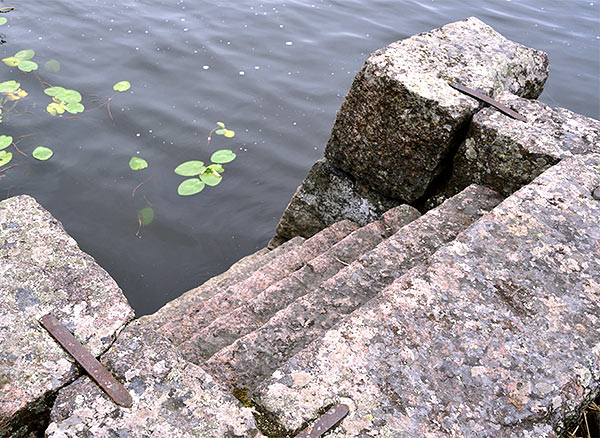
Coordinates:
<point>498,336</point>
<point>42,270</point>
<point>172,313</point>
<point>327,196</point>
<point>401,119</point>
<point>252,358</point>
<point>171,397</point>
<point>256,311</point>
<point>227,300</point>
<point>505,154</point>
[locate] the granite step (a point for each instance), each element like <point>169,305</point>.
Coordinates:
<point>168,318</point>
<point>259,308</point>
<point>497,336</point>
<point>226,300</point>
<point>171,397</point>
<point>247,361</point>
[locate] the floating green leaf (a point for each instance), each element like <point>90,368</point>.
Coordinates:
<point>190,168</point>
<point>146,215</point>
<point>5,157</point>
<point>190,187</point>
<point>210,177</point>
<point>221,124</point>
<point>5,141</point>
<point>220,131</point>
<point>74,107</point>
<point>223,156</point>
<point>69,96</point>
<point>24,55</point>
<point>53,91</point>
<point>122,86</point>
<point>3,21</point>
<point>137,163</point>
<point>229,133</point>
<point>55,108</point>
<point>52,65</point>
<point>217,168</point>
<point>42,153</point>
<point>27,66</point>
<point>9,86</point>
<point>11,61</point>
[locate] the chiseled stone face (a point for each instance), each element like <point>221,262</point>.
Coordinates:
<point>497,336</point>
<point>401,118</point>
<point>42,270</point>
<point>505,154</point>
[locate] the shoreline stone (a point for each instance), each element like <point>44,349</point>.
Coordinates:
<point>44,271</point>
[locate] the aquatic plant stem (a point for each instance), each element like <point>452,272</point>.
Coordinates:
<point>9,167</point>
<point>140,185</point>
<point>210,137</point>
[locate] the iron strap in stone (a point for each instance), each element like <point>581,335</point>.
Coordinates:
<point>487,99</point>
<point>95,369</point>
<point>325,422</point>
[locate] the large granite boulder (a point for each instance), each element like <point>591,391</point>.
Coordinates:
<point>505,154</point>
<point>42,270</point>
<point>325,197</point>
<point>401,119</point>
<point>171,397</point>
<point>496,337</point>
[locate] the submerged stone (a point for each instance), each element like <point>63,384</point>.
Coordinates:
<point>43,271</point>
<point>401,119</point>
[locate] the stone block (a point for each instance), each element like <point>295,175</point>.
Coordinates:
<point>42,270</point>
<point>401,119</point>
<point>506,154</point>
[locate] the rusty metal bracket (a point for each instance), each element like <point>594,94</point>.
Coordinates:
<point>325,422</point>
<point>95,369</point>
<point>487,99</point>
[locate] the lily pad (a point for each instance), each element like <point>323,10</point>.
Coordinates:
<point>146,215</point>
<point>190,168</point>
<point>8,86</point>
<point>137,163</point>
<point>5,157</point>
<point>11,61</point>
<point>42,153</point>
<point>190,187</point>
<point>229,133</point>
<point>5,141</point>
<point>27,66</point>
<point>69,96</point>
<point>74,107</point>
<point>217,168</point>
<point>211,178</point>
<point>53,91</point>
<point>122,86</point>
<point>220,131</point>
<point>223,156</point>
<point>3,21</point>
<point>52,65</point>
<point>55,108</point>
<point>24,55</point>
<point>221,124</point>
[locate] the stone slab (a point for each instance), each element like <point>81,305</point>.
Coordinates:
<point>327,196</point>
<point>401,119</point>
<point>245,363</point>
<point>171,397</point>
<point>257,310</point>
<point>498,336</point>
<point>42,270</point>
<point>505,154</point>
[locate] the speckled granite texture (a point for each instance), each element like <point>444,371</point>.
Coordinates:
<point>171,397</point>
<point>401,118</point>
<point>498,336</point>
<point>505,154</point>
<point>326,196</point>
<point>42,270</point>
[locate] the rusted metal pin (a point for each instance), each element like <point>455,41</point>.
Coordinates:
<point>325,422</point>
<point>487,99</point>
<point>95,369</point>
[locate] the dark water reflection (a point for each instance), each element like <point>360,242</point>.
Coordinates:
<point>275,72</point>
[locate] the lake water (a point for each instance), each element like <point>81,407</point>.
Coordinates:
<point>274,72</point>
